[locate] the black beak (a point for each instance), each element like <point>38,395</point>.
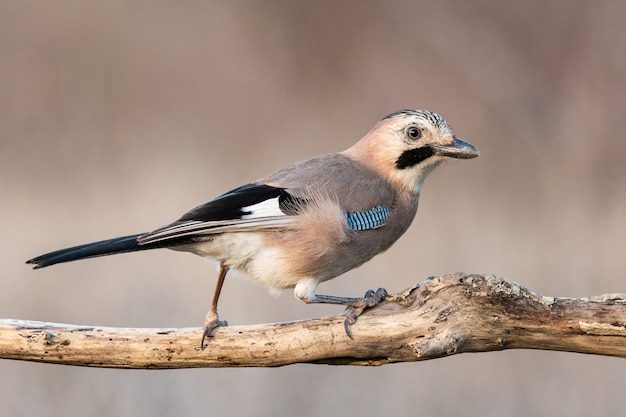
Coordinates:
<point>459,149</point>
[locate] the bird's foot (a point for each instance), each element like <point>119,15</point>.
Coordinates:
<point>211,322</point>
<point>371,299</point>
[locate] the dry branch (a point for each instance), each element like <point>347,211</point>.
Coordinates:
<point>443,316</point>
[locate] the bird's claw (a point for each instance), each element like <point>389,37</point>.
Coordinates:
<point>210,325</point>
<point>371,299</point>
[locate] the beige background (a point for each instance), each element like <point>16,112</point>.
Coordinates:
<point>116,117</point>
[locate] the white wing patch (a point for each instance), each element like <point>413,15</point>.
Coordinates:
<point>267,208</point>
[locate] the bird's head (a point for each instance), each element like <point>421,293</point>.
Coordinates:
<point>407,145</point>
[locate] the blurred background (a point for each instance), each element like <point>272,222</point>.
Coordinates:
<point>117,117</point>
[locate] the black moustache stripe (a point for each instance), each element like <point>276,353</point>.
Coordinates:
<point>413,157</point>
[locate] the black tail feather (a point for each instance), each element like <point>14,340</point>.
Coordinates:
<point>90,250</point>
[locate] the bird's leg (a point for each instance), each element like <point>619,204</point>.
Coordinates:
<point>212,319</point>
<point>305,290</point>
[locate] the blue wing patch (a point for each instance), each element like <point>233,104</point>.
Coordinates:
<point>370,219</point>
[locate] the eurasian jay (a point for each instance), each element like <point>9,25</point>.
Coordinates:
<point>309,222</point>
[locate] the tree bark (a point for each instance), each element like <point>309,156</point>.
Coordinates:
<point>445,315</point>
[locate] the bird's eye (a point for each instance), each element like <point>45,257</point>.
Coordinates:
<point>413,133</point>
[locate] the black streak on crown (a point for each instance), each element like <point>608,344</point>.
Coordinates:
<point>433,118</point>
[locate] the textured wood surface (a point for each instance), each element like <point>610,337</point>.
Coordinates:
<point>443,316</point>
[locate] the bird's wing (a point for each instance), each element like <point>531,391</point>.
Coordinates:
<point>275,201</point>
<point>365,198</point>
<point>250,207</point>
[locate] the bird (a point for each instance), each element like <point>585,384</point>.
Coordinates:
<point>309,222</point>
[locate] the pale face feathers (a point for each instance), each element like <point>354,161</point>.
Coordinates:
<point>406,146</point>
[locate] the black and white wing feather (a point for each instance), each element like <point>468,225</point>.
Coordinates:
<point>247,208</point>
